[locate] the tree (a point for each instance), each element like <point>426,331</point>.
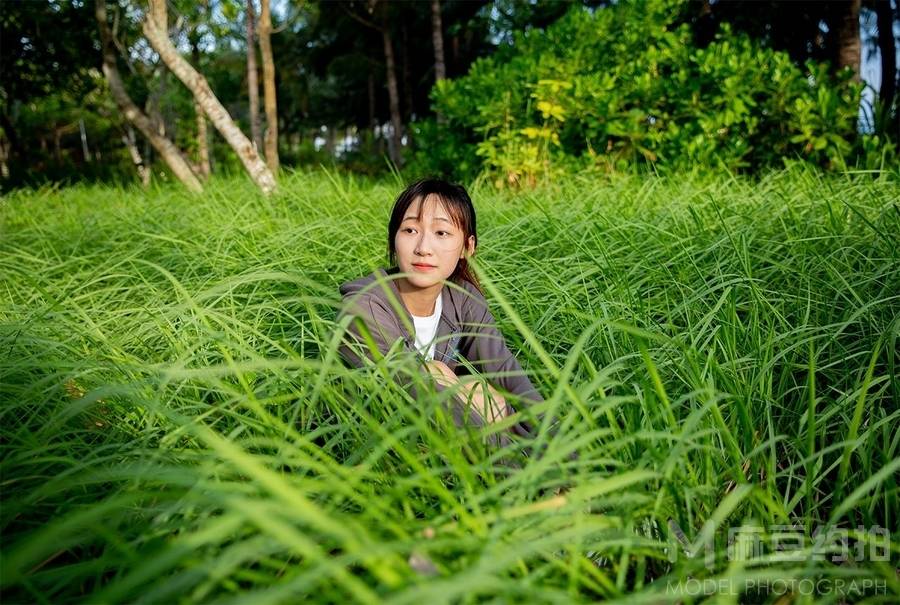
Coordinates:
<point>130,142</point>
<point>335,55</point>
<point>338,78</point>
<point>806,29</point>
<point>31,67</point>
<point>437,39</point>
<point>155,27</point>
<point>888,50</point>
<point>627,85</point>
<point>165,147</point>
<point>849,47</point>
<point>203,165</point>
<point>253,77</point>
<point>265,46</point>
<point>393,92</point>
<point>382,25</point>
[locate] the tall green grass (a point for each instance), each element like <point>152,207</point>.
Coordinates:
<point>177,426</point>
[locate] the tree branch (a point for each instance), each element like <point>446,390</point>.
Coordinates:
<point>352,14</point>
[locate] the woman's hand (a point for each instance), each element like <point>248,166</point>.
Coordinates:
<point>481,396</point>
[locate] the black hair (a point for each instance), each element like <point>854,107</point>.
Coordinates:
<point>457,202</point>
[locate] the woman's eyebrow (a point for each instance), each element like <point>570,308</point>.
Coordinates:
<point>437,218</point>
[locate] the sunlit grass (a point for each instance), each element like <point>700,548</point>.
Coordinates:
<point>177,426</point>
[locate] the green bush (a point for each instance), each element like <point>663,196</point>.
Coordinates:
<point>626,85</point>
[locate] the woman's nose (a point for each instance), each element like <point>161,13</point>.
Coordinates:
<point>423,244</point>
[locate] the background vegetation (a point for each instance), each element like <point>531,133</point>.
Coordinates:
<point>527,90</point>
<point>629,86</point>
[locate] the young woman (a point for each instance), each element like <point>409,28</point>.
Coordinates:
<point>431,234</point>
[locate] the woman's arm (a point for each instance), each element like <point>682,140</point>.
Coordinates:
<point>373,330</point>
<point>486,349</point>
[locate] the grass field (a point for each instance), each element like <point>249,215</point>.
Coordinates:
<point>177,427</point>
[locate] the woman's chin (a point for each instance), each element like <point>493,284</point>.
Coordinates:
<point>419,280</point>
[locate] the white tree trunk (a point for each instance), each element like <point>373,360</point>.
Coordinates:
<point>268,64</point>
<point>166,149</point>
<point>253,77</point>
<point>156,31</point>
<point>131,144</point>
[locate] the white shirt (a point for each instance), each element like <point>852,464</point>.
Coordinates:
<point>426,329</point>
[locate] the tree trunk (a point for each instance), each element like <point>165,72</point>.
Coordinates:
<point>408,99</point>
<point>393,97</point>
<point>376,134</point>
<point>330,140</point>
<point>372,123</point>
<point>131,144</point>
<point>152,104</point>
<point>57,149</point>
<point>84,143</point>
<point>371,90</point>
<point>203,166</point>
<point>155,29</point>
<point>888,53</point>
<point>268,64</point>
<point>4,156</point>
<point>160,106</point>
<point>849,47</point>
<point>253,78</point>
<point>166,149</point>
<point>437,38</point>
<point>12,136</point>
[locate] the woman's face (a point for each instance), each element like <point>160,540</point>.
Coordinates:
<point>429,247</point>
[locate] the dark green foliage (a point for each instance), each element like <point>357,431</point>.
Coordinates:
<point>627,86</point>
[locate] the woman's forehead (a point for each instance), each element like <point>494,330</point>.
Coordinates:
<point>432,203</point>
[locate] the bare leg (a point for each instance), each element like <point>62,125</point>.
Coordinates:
<point>481,396</point>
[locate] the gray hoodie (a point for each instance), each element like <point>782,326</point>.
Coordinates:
<point>466,329</point>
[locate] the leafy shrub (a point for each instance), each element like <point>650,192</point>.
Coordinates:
<point>626,85</point>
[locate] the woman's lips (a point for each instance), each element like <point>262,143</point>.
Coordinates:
<point>424,267</point>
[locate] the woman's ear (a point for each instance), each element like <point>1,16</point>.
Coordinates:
<point>469,248</point>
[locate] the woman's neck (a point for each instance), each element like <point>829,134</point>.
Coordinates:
<point>418,301</point>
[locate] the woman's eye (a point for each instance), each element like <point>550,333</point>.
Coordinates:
<point>408,230</point>
<point>442,233</point>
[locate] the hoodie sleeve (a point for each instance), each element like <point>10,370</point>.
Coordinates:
<point>486,350</point>
<point>372,331</point>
